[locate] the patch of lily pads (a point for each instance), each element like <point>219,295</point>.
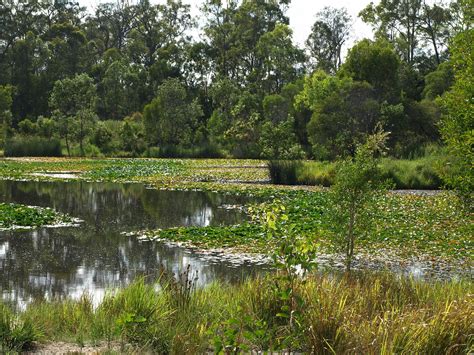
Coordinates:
<point>431,229</point>
<point>428,234</point>
<point>16,216</point>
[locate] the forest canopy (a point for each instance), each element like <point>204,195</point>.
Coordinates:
<point>147,79</point>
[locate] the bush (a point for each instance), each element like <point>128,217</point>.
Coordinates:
<point>32,147</point>
<point>90,150</point>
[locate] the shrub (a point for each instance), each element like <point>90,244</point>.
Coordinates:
<point>32,147</point>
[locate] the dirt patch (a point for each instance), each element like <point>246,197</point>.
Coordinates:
<point>71,348</point>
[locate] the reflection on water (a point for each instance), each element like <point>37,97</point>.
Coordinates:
<point>55,263</point>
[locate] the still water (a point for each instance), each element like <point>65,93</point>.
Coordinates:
<point>95,257</point>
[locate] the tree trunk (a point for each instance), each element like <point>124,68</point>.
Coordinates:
<point>81,138</point>
<point>67,145</point>
<point>350,238</point>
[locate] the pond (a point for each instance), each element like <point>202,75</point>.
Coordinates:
<point>97,256</point>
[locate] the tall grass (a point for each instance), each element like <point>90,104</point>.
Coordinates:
<point>32,147</point>
<point>336,314</point>
<point>284,172</point>
<point>15,334</point>
<point>422,173</point>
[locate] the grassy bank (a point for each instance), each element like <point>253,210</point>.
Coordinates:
<point>422,173</point>
<point>335,314</point>
<point>21,216</point>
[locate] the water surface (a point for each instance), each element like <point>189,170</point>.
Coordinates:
<point>66,262</point>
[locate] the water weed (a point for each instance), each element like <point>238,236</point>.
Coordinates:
<point>20,216</point>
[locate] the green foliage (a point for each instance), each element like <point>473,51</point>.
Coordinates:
<point>219,88</point>
<point>27,127</point>
<point>74,100</point>
<point>196,151</point>
<point>355,192</point>
<point>46,127</point>
<point>171,117</point>
<point>376,63</point>
<point>32,147</point>
<point>278,141</point>
<point>344,113</point>
<point>438,81</point>
<point>457,124</point>
<point>13,215</point>
<point>15,335</point>
<point>5,113</point>
<point>328,35</point>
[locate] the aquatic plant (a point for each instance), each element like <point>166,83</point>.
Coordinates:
<point>18,216</point>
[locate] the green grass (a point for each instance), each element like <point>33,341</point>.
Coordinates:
<point>15,215</point>
<point>420,174</point>
<point>336,314</point>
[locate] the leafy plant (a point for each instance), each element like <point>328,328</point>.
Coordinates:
<point>12,215</point>
<point>15,334</point>
<point>294,256</point>
<point>357,188</point>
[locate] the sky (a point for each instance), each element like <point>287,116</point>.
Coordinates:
<point>302,14</point>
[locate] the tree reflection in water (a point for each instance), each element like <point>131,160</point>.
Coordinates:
<point>57,263</point>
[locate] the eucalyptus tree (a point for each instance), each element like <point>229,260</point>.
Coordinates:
<point>73,101</point>
<point>328,35</point>
<point>434,26</point>
<point>5,112</point>
<point>399,22</point>
<point>171,117</point>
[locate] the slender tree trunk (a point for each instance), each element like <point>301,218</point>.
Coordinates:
<point>435,47</point>
<point>66,136</point>
<point>81,138</point>
<point>350,238</point>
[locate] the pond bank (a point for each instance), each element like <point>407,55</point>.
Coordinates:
<point>365,313</point>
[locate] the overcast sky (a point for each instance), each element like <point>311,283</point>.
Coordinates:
<point>301,12</point>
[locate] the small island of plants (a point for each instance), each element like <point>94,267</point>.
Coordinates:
<point>16,216</point>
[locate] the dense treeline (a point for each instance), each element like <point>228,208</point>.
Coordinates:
<point>136,79</point>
